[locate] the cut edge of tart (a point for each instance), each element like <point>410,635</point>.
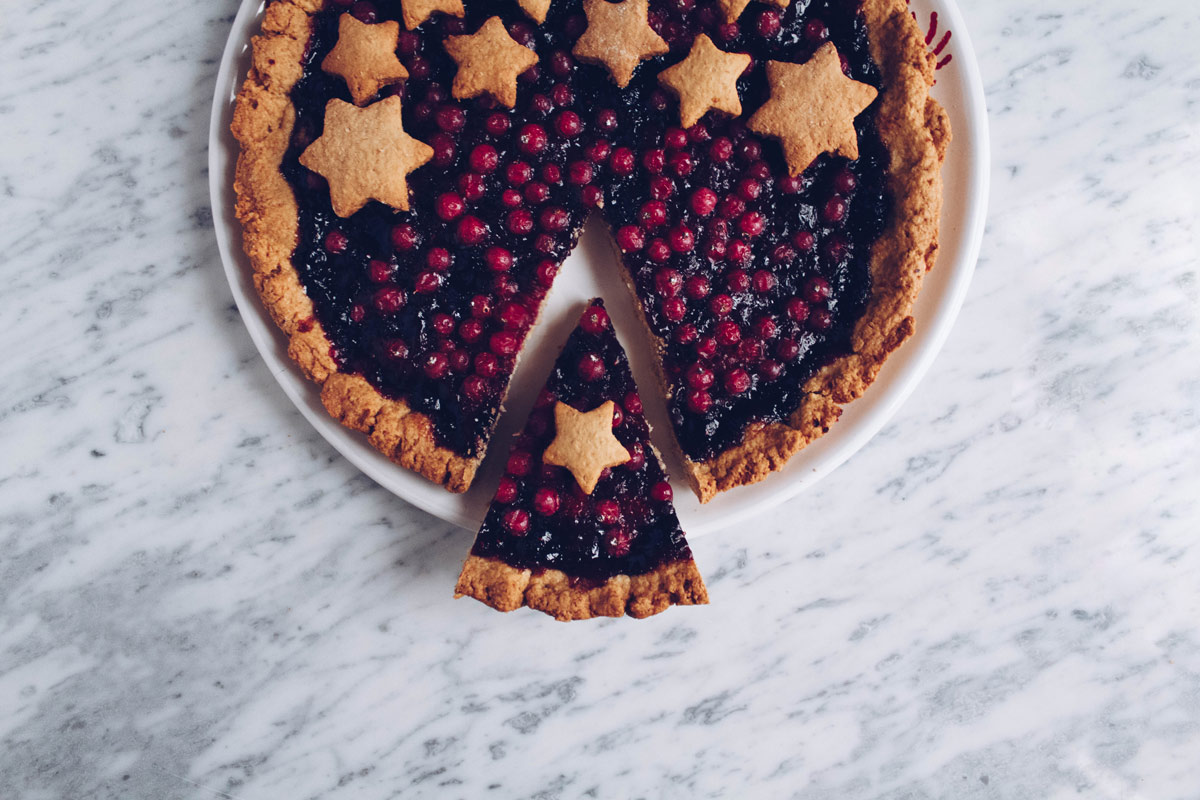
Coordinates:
<point>574,496</point>
<point>263,119</point>
<point>912,126</point>
<point>915,131</point>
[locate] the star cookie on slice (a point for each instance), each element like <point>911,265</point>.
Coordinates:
<point>706,79</point>
<point>489,62</point>
<point>553,545</point>
<point>415,12</point>
<point>536,9</point>
<point>812,108</point>
<point>584,443</point>
<point>365,154</point>
<point>734,8</point>
<point>618,36</point>
<point>365,56</point>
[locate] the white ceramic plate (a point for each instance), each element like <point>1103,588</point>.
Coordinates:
<point>591,271</point>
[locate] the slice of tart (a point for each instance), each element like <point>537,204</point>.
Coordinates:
<point>583,524</point>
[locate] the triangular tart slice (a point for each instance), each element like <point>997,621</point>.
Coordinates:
<point>550,544</point>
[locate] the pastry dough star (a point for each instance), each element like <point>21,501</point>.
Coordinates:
<point>812,108</point>
<point>618,36</point>
<point>415,12</point>
<point>536,9</point>
<point>365,154</point>
<point>489,62</point>
<point>706,79</point>
<point>584,443</point>
<point>734,8</point>
<point>365,56</point>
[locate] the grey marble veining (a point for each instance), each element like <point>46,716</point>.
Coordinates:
<point>996,598</point>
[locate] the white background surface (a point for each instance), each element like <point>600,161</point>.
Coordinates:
<point>591,271</point>
<point>996,598</point>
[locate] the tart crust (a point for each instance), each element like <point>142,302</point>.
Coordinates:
<point>506,588</point>
<point>263,118</point>
<point>914,130</point>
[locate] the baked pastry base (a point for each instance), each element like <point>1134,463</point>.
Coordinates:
<point>506,588</point>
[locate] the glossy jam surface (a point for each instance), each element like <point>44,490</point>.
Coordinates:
<point>540,518</point>
<point>751,279</point>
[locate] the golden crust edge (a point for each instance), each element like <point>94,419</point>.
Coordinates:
<point>916,132</point>
<point>507,588</point>
<point>266,207</point>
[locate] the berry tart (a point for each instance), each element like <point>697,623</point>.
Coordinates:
<point>583,524</point>
<point>413,173</point>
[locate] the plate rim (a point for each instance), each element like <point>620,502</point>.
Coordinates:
<point>839,445</point>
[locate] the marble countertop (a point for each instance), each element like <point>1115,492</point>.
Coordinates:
<point>996,598</point>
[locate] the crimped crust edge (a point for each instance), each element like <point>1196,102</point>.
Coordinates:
<point>507,588</point>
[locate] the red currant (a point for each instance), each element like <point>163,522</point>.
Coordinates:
<point>516,521</point>
<point>591,367</point>
<point>545,501</point>
<point>506,492</point>
<point>737,381</point>
<point>594,320</point>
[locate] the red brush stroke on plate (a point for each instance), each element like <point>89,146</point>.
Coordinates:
<point>931,34</point>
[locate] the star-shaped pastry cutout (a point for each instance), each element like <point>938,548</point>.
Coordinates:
<point>812,108</point>
<point>536,9</point>
<point>415,12</point>
<point>706,79</point>
<point>365,56</point>
<point>584,443</point>
<point>618,36</point>
<point>489,62</point>
<point>365,154</point>
<point>734,8</point>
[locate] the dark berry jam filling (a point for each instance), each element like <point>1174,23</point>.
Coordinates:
<point>752,279</point>
<point>432,305</point>
<point>541,519</point>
